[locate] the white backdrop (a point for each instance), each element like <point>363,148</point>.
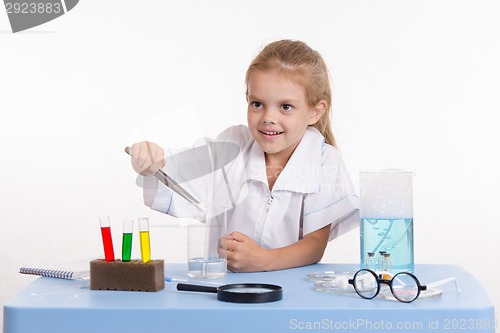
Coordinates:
<point>415,87</point>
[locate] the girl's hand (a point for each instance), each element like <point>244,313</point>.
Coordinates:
<point>146,157</point>
<point>243,253</point>
<point>246,255</point>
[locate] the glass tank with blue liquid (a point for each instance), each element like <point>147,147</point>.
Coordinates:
<point>386,210</point>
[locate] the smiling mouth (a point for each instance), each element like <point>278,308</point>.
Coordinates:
<point>271,133</point>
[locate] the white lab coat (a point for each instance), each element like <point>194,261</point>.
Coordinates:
<point>313,190</point>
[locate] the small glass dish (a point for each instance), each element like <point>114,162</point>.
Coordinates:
<point>331,281</point>
<point>333,287</point>
<point>327,276</point>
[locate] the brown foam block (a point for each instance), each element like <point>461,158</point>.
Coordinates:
<point>134,275</point>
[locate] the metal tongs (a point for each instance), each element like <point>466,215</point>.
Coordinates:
<point>174,186</point>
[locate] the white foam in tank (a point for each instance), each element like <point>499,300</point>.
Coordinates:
<point>386,194</point>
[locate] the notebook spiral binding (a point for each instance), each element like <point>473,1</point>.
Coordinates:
<point>48,273</point>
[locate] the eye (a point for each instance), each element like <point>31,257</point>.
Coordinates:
<point>286,107</point>
<point>256,104</point>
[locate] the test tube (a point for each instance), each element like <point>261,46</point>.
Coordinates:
<point>144,237</point>
<point>128,228</point>
<point>107,241</point>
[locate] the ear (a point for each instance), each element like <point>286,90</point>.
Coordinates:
<point>317,111</point>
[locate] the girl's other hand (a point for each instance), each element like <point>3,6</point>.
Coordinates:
<point>146,157</point>
<point>244,254</point>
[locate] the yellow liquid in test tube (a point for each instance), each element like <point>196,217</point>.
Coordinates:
<point>145,246</point>
<point>144,237</point>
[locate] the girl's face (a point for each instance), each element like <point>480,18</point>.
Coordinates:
<point>278,113</point>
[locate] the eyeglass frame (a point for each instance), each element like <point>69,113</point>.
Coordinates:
<point>380,280</point>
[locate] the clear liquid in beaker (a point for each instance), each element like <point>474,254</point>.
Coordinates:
<point>207,268</point>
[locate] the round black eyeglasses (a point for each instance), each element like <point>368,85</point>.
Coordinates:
<point>404,286</point>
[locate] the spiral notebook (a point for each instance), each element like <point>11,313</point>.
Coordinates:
<point>79,270</point>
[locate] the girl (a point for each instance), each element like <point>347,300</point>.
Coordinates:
<point>298,194</point>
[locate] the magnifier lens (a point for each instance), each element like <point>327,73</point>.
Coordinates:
<point>245,290</point>
<point>249,293</point>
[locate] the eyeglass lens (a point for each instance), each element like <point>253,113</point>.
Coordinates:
<point>405,287</point>
<point>365,283</point>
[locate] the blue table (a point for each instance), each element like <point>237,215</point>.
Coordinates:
<point>55,305</point>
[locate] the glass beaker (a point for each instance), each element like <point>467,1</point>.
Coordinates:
<point>206,241</point>
<point>386,211</point>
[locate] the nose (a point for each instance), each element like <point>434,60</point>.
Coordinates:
<point>270,117</point>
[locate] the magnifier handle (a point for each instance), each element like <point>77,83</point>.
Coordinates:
<point>194,287</point>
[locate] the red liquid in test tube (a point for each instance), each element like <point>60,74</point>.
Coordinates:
<point>107,241</point>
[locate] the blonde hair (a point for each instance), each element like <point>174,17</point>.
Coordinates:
<point>299,62</point>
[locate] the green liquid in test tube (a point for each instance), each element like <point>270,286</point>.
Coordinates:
<point>128,228</point>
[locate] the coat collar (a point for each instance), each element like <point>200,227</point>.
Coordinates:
<point>301,174</point>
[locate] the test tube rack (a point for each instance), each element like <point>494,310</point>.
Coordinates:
<point>134,275</point>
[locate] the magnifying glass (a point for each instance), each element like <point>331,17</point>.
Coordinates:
<point>239,292</point>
